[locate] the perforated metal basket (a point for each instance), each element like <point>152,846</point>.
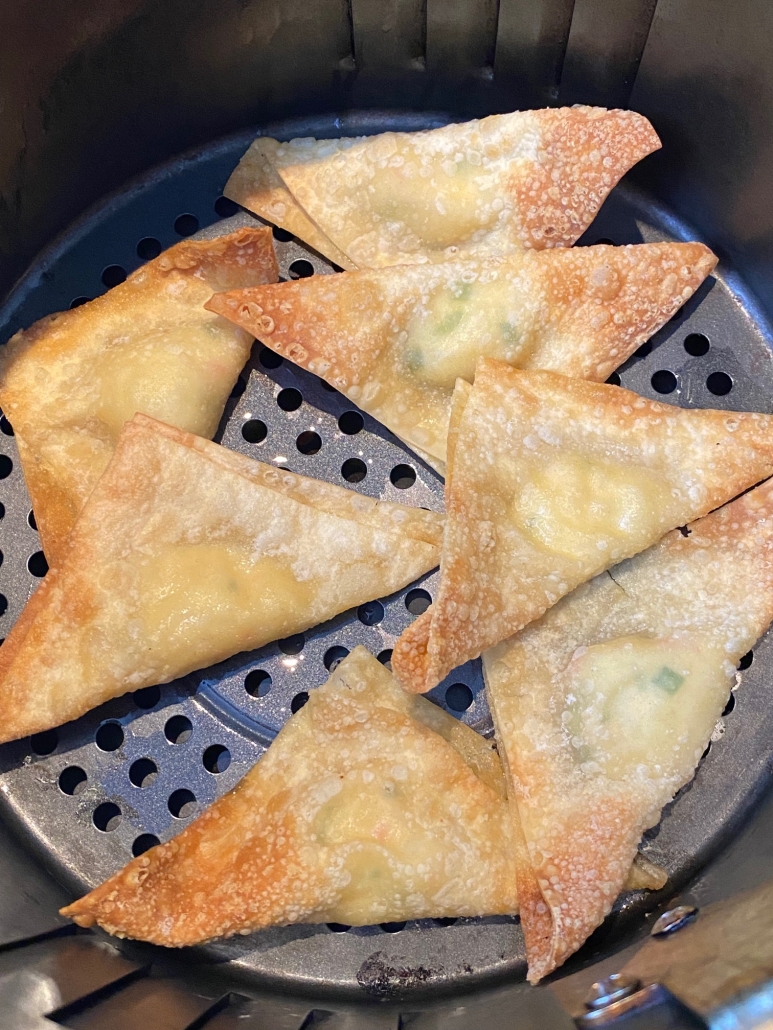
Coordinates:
<point>92,95</point>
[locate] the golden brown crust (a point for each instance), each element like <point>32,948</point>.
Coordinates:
<point>531,179</point>
<point>555,479</point>
<point>256,185</point>
<point>395,339</point>
<point>582,790</point>
<point>14,640</point>
<point>56,507</point>
<point>417,523</point>
<point>186,553</point>
<point>61,380</point>
<point>645,875</point>
<point>583,152</point>
<point>330,825</point>
<point>459,400</point>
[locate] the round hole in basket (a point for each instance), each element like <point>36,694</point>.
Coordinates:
<point>44,743</point>
<point>107,817</point>
<point>458,697</point>
<point>254,430</point>
<point>257,683</point>
<point>178,729</point>
<point>148,248</point>
<point>309,442</point>
<point>697,344</point>
<point>402,476</point>
<point>182,803</point>
<point>147,697</point>
<point>226,208</point>
<point>113,275</point>
<point>144,843</point>
<point>109,736</point>
<point>334,656</point>
<point>299,701</point>
<point>216,758</point>
<point>269,358</point>
<point>719,383</point>
<point>143,772</point>
<point>354,470</point>
<point>37,564</point>
<point>417,601</point>
<point>293,645</point>
<point>289,399</point>
<point>664,381</point>
<point>72,780</point>
<point>351,423</point>
<point>186,224</point>
<point>371,613</point>
<point>301,269</point>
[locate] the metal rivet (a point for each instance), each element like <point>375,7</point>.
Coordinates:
<point>611,989</point>
<point>674,920</point>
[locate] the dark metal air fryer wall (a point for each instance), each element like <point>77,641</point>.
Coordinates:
<point>94,93</point>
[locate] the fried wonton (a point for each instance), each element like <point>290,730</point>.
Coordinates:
<point>604,707</point>
<point>532,179</point>
<point>395,340</point>
<point>552,480</point>
<point>187,553</point>
<point>370,806</point>
<point>69,382</point>
<point>256,185</point>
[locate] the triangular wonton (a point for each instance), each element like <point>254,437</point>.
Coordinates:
<point>532,179</point>
<point>186,553</point>
<point>69,382</point>
<point>370,806</point>
<point>395,340</point>
<point>552,480</point>
<point>255,184</point>
<point>604,707</point>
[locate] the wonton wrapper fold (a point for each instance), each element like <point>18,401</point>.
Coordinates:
<point>69,382</point>
<point>552,480</point>
<point>255,184</point>
<point>395,340</point>
<point>531,179</point>
<point>604,707</point>
<point>187,553</point>
<point>370,806</point>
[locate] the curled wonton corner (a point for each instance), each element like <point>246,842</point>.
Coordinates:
<point>255,184</point>
<point>186,553</point>
<point>553,480</point>
<point>70,381</point>
<point>604,707</point>
<point>395,340</point>
<point>332,825</point>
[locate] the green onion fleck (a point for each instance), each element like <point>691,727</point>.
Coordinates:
<point>450,322</point>
<point>668,680</point>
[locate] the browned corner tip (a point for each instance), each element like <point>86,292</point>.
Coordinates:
<point>409,656</point>
<point>655,141</point>
<point>140,420</point>
<point>229,303</point>
<point>79,916</point>
<point>649,139</point>
<point>217,303</point>
<point>710,260</point>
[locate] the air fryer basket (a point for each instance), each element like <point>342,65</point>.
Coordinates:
<point>96,101</point>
